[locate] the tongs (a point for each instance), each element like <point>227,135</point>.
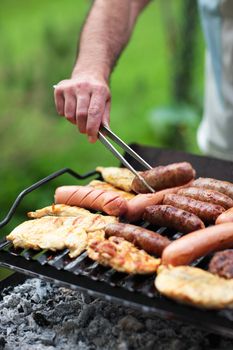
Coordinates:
<point>105,131</point>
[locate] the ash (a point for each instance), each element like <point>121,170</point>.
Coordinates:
<point>40,315</point>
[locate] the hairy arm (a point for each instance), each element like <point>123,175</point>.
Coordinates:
<point>85,98</point>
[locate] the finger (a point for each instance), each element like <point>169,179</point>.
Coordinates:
<point>95,115</point>
<point>83,102</point>
<point>70,108</point>
<point>106,116</point>
<point>59,100</point>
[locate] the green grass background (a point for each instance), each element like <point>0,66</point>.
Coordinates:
<point>38,48</point>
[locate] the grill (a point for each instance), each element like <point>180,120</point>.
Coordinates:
<point>88,276</point>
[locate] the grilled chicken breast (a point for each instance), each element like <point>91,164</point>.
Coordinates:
<point>54,233</point>
<point>86,219</point>
<point>191,285</point>
<point>58,210</point>
<point>118,177</point>
<point>121,255</point>
<point>57,227</point>
<point>101,185</point>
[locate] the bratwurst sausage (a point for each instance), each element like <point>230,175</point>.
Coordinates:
<point>199,243</point>
<point>207,212</point>
<point>136,206</point>
<point>206,195</point>
<point>169,216</point>
<point>90,198</point>
<point>162,177</point>
<point>216,185</point>
<point>151,242</point>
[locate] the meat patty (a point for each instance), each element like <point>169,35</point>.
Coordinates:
<point>169,216</point>
<point>222,264</point>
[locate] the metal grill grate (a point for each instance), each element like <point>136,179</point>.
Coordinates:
<point>84,274</point>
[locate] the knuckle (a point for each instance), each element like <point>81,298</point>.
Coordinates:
<point>81,114</point>
<point>84,85</point>
<point>94,110</point>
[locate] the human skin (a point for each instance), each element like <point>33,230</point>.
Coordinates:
<point>85,98</point>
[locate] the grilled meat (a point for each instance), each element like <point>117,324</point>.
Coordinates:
<point>191,285</point>
<point>151,242</point>
<point>54,233</point>
<point>121,255</point>
<point>206,195</point>
<point>169,216</point>
<point>88,197</point>
<point>216,185</point>
<point>222,264</point>
<point>162,177</point>
<point>118,177</point>
<point>87,220</point>
<point>101,185</point>
<point>207,212</point>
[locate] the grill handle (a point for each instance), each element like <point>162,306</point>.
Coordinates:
<point>39,184</point>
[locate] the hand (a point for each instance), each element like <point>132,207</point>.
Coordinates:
<point>85,101</point>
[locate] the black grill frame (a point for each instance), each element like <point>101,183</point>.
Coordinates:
<point>106,283</point>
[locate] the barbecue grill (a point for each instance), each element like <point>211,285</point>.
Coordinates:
<point>133,291</point>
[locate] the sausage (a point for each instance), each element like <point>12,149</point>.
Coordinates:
<point>151,242</point>
<point>90,198</point>
<point>206,195</point>
<point>216,185</point>
<point>136,206</point>
<point>207,212</point>
<point>222,264</point>
<point>169,216</point>
<point>199,243</point>
<point>162,177</point>
<point>227,216</point>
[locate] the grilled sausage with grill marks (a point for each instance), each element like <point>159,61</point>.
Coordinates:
<point>199,243</point>
<point>169,216</point>
<point>90,198</point>
<point>224,187</point>
<point>162,177</point>
<point>136,206</point>
<point>206,195</point>
<point>151,242</point>
<point>207,212</point>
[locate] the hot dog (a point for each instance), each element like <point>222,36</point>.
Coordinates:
<point>206,195</point>
<point>207,212</point>
<point>151,242</point>
<point>136,206</point>
<point>216,185</point>
<point>227,216</point>
<point>90,198</point>
<point>169,216</point>
<point>199,243</point>
<point>162,177</point>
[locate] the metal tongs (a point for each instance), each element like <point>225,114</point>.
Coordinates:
<point>106,131</point>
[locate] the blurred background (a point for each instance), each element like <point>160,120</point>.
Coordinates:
<point>157,90</point>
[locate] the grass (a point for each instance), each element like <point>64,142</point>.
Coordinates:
<point>38,45</point>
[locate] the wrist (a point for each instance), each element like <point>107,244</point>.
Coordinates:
<point>98,71</point>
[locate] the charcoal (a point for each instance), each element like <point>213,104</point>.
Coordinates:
<point>2,343</point>
<point>40,315</point>
<point>40,319</point>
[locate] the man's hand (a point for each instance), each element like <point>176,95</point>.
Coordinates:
<point>85,101</point>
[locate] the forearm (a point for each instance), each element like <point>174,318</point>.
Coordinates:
<point>105,34</point>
